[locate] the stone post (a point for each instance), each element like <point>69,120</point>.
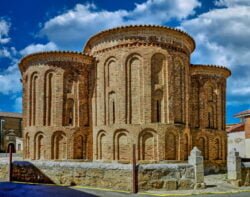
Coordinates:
<point>234,167</point>
<point>196,159</point>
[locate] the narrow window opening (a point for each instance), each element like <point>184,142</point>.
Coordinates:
<point>209,120</point>
<point>113,106</point>
<point>158,111</point>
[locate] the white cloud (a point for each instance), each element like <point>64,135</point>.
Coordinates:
<point>33,48</point>
<point>18,104</point>
<point>4,31</point>
<point>232,3</point>
<point>10,80</point>
<point>222,37</point>
<point>71,29</point>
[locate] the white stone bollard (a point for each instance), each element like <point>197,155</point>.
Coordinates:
<point>196,159</point>
<point>233,166</point>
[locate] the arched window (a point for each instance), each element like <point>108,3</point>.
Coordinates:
<point>179,91</point>
<point>157,109</point>
<point>33,98</point>
<point>110,85</point>
<point>217,147</point>
<point>39,150</point>
<point>79,147</point>
<point>171,146</point>
<point>102,146</point>
<point>70,111</point>
<point>158,67</point>
<point>27,145</point>
<point>147,145</point>
<point>59,145</point>
<point>121,146</point>
<point>202,146</point>
<point>133,89</point>
<point>48,98</point>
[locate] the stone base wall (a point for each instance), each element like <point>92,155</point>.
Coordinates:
<point>166,176</point>
<point>214,167</point>
<point>105,175</point>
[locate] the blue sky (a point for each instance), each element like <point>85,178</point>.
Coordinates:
<point>219,27</point>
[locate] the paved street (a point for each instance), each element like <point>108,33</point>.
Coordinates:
<point>35,190</point>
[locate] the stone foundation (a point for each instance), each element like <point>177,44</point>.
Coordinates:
<point>104,175</point>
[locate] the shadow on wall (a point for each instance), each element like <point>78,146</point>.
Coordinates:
<point>8,189</point>
<point>29,174</point>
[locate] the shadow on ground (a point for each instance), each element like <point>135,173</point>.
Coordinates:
<point>8,189</point>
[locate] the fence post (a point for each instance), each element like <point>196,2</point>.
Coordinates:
<point>134,171</point>
<point>196,159</point>
<point>10,162</point>
<point>234,167</point>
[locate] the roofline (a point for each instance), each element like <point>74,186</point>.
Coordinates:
<point>30,56</point>
<point>119,28</point>
<point>11,115</point>
<point>212,66</point>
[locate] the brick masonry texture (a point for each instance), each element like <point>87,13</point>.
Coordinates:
<point>132,85</point>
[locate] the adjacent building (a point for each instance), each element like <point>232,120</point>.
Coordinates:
<point>10,131</point>
<point>239,135</point>
<point>130,85</point>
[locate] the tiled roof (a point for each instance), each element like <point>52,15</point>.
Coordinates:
<point>236,128</point>
<point>243,113</point>
<point>10,115</point>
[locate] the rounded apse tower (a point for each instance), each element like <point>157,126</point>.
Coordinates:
<point>56,106</point>
<point>141,93</point>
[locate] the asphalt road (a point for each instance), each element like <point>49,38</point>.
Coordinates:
<point>36,190</point>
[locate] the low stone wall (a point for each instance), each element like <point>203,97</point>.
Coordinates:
<point>215,167</point>
<point>166,176</point>
<point>105,175</point>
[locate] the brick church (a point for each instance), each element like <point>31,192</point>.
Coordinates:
<point>130,85</point>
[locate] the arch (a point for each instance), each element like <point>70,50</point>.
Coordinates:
<point>217,149</point>
<point>210,109</point>
<point>158,62</point>
<point>147,145</point>
<point>202,146</point>
<point>134,82</point>
<point>48,97</point>
<point>59,145</point>
<point>39,146</point>
<point>110,83</point>
<point>121,145</point>
<point>80,145</point>
<point>102,146</point>
<point>70,112</point>
<point>33,98</point>
<point>172,144</point>
<point>27,145</point>
<point>179,90</point>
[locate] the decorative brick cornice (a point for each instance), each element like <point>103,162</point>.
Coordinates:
<point>54,56</point>
<point>124,29</point>
<point>139,44</point>
<point>197,69</point>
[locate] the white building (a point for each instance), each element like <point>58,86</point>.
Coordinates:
<point>238,135</point>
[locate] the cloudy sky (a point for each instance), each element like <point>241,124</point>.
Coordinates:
<point>221,29</point>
